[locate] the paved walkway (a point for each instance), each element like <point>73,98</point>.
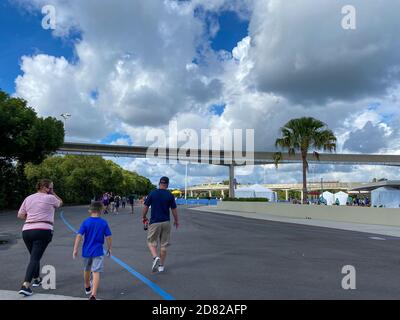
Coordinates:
<point>13,295</point>
<point>232,257</point>
<point>368,228</point>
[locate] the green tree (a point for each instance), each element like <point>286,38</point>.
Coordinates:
<point>24,137</point>
<point>300,135</point>
<point>78,179</point>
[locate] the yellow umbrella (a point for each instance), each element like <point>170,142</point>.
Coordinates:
<point>176,192</point>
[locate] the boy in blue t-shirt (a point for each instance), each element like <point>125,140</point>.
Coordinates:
<point>94,230</point>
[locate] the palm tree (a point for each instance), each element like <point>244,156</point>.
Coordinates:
<point>301,135</point>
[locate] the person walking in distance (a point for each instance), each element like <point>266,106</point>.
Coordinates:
<point>112,202</point>
<point>38,212</point>
<point>117,201</point>
<point>161,201</point>
<point>106,202</point>
<point>132,202</point>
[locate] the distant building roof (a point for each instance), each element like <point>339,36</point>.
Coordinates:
<point>375,185</point>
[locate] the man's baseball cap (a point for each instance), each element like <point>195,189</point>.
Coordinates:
<point>164,180</point>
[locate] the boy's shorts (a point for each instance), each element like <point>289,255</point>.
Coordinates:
<point>159,233</point>
<point>94,264</point>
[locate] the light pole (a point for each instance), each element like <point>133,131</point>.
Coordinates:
<point>265,180</point>
<point>186,176</point>
<point>65,116</point>
<point>188,135</point>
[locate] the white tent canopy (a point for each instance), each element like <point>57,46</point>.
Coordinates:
<point>385,197</point>
<point>244,192</point>
<point>263,192</point>
<point>342,196</point>
<point>256,191</point>
<point>329,197</point>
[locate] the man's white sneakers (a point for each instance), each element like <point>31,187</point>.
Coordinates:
<point>156,262</point>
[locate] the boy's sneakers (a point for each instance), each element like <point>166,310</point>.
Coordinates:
<point>88,291</point>
<point>25,291</point>
<point>37,282</point>
<point>156,261</point>
<point>160,268</point>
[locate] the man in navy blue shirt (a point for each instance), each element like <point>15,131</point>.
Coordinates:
<point>94,229</point>
<point>161,201</point>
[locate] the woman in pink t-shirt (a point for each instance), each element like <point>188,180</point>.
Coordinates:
<point>38,212</point>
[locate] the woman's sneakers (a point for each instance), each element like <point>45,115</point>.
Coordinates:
<point>160,268</point>
<point>37,282</point>
<point>25,291</point>
<point>88,291</point>
<point>92,298</point>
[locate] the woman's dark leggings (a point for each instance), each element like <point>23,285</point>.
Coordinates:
<point>36,242</point>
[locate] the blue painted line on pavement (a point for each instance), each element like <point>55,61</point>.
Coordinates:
<point>152,285</point>
<point>67,223</point>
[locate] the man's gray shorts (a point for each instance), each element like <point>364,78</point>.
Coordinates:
<point>94,264</point>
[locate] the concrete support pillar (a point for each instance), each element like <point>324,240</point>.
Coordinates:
<point>231,177</point>
<point>302,196</point>
<point>287,194</point>
<point>209,193</point>
<point>223,193</point>
<point>191,193</point>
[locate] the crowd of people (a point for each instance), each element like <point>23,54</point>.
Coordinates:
<point>356,201</point>
<point>349,202</point>
<point>112,202</point>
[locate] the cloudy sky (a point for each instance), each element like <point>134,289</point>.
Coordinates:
<point>125,68</point>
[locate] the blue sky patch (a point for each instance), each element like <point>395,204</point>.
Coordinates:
<point>217,109</point>
<point>232,29</point>
<point>94,94</point>
<point>115,136</point>
<point>374,106</point>
<point>21,33</point>
<point>388,118</point>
